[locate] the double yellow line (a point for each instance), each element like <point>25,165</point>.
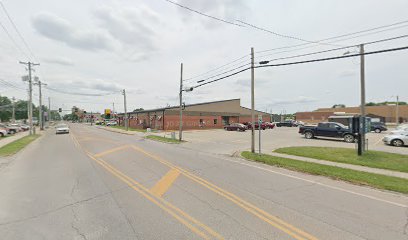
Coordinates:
<point>193,224</point>
<point>261,214</point>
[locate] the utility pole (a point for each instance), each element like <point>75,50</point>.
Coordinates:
<point>13,116</point>
<point>30,94</point>
<point>181,104</point>
<point>397,112</point>
<point>362,95</point>
<point>113,110</point>
<point>252,101</point>
<point>49,110</point>
<point>91,118</point>
<point>40,110</point>
<point>126,116</point>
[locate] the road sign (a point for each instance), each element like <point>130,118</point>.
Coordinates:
<point>260,118</point>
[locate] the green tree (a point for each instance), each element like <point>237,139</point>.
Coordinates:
<point>5,109</point>
<point>338,106</point>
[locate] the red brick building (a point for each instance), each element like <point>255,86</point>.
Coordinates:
<point>386,113</point>
<point>206,115</point>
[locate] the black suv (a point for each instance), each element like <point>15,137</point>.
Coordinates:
<point>378,127</point>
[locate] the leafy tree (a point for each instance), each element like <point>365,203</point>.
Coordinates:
<point>5,108</point>
<point>138,109</point>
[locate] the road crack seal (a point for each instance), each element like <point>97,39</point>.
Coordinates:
<point>406,224</point>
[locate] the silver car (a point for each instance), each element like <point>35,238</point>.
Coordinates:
<point>398,139</point>
<point>61,128</point>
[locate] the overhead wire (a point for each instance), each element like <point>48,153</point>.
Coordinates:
<point>340,48</point>
<point>303,62</point>
<point>345,35</point>
<point>203,14</point>
<point>283,35</point>
<point>16,29</point>
<point>18,48</point>
<point>79,94</point>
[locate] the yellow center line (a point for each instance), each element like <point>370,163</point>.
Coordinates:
<point>272,220</point>
<point>165,182</point>
<point>160,202</point>
<point>111,151</point>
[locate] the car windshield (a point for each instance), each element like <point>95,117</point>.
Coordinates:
<point>62,126</point>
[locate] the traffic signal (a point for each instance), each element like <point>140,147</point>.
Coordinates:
<point>59,109</point>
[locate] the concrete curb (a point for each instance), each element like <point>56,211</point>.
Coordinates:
<point>386,172</point>
<point>115,131</point>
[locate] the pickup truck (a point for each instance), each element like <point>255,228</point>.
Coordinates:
<point>328,129</point>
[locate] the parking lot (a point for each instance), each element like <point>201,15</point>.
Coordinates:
<point>220,141</point>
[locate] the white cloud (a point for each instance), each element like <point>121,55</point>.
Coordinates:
<point>58,60</point>
<point>133,27</point>
<point>225,9</point>
<point>297,100</point>
<point>59,29</point>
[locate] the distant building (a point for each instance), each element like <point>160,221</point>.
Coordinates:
<point>206,115</point>
<point>386,113</point>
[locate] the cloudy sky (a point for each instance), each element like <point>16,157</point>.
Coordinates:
<point>96,48</point>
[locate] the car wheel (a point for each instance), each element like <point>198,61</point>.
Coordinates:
<point>377,130</point>
<point>397,143</point>
<point>1,134</point>
<point>309,135</point>
<point>348,138</point>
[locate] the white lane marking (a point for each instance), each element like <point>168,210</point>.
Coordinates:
<point>321,184</point>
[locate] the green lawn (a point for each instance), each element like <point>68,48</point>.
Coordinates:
<point>163,139</point>
<point>130,129</point>
<point>17,145</point>
<point>357,177</point>
<point>375,159</point>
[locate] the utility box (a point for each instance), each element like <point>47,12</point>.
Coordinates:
<point>173,135</point>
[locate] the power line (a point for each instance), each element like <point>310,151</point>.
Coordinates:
<point>345,35</point>
<point>11,84</point>
<point>230,64</point>
<point>203,14</point>
<point>336,49</point>
<point>12,39</point>
<point>16,29</point>
<point>334,58</point>
<point>80,94</point>
<point>282,35</point>
<point>303,62</point>
<point>203,80</point>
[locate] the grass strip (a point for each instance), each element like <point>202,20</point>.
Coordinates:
<point>374,159</point>
<point>163,139</point>
<point>130,129</point>
<point>356,177</point>
<point>17,145</point>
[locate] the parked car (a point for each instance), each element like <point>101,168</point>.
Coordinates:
<point>400,128</point>
<point>249,125</point>
<point>269,125</point>
<point>111,123</point>
<point>17,126</point>
<point>61,128</point>
<point>398,140</point>
<point>328,129</point>
<point>3,132</point>
<point>378,127</point>
<point>9,129</point>
<point>236,127</point>
<point>288,123</point>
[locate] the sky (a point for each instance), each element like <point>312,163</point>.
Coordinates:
<point>90,50</point>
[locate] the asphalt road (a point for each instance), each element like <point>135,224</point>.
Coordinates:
<point>95,184</point>
<point>227,142</point>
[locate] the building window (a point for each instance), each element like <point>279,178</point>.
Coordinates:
<point>215,121</point>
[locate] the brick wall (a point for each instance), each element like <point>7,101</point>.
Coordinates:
<point>171,122</point>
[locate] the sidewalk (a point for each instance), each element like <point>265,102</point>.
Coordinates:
<point>344,165</point>
<point>116,130</point>
<point>12,138</point>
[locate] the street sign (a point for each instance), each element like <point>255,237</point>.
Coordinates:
<point>260,118</point>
